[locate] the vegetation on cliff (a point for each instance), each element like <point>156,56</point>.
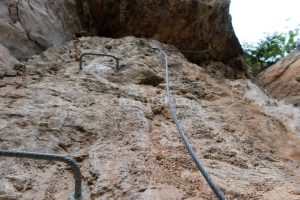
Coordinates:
<point>270,49</point>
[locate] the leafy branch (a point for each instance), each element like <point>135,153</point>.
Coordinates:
<point>269,49</point>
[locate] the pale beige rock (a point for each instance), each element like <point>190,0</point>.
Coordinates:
<point>120,130</point>
<point>283,78</point>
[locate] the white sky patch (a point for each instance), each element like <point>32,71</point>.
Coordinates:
<point>252,18</point>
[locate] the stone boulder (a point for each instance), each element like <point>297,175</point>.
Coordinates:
<point>7,61</point>
<point>29,27</point>
<point>283,78</point>
<point>194,25</point>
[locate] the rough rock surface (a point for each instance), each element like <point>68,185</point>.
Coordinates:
<point>189,25</point>
<point>283,78</point>
<point>30,27</point>
<point>118,127</point>
<point>7,62</point>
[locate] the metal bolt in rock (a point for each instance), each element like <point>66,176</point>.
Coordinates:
<point>97,54</point>
<point>51,157</point>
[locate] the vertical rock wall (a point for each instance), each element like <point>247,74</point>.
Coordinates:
<point>189,25</point>
<point>29,27</point>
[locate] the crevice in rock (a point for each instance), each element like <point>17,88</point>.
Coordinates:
<point>149,78</point>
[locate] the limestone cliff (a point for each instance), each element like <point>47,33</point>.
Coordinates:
<point>283,79</point>
<point>118,127</point>
<point>116,123</point>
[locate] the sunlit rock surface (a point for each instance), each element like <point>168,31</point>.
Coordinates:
<point>118,127</point>
<point>283,79</point>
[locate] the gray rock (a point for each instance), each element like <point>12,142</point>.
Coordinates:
<point>7,61</point>
<point>29,27</point>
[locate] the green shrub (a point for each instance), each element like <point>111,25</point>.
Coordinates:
<point>269,49</point>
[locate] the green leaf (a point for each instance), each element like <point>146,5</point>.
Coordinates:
<point>270,49</point>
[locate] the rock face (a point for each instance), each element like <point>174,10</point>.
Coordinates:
<point>29,27</point>
<point>283,78</point>
<point>7,61</point>
<point>193,25</point>
<point>118,127</point>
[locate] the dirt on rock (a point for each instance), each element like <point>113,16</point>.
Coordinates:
<point>117,125</point>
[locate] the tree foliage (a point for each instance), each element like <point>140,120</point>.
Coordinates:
<point>270,49</point>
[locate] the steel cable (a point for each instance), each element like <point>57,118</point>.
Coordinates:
<point>51,157</point>
<point>187,144</point>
